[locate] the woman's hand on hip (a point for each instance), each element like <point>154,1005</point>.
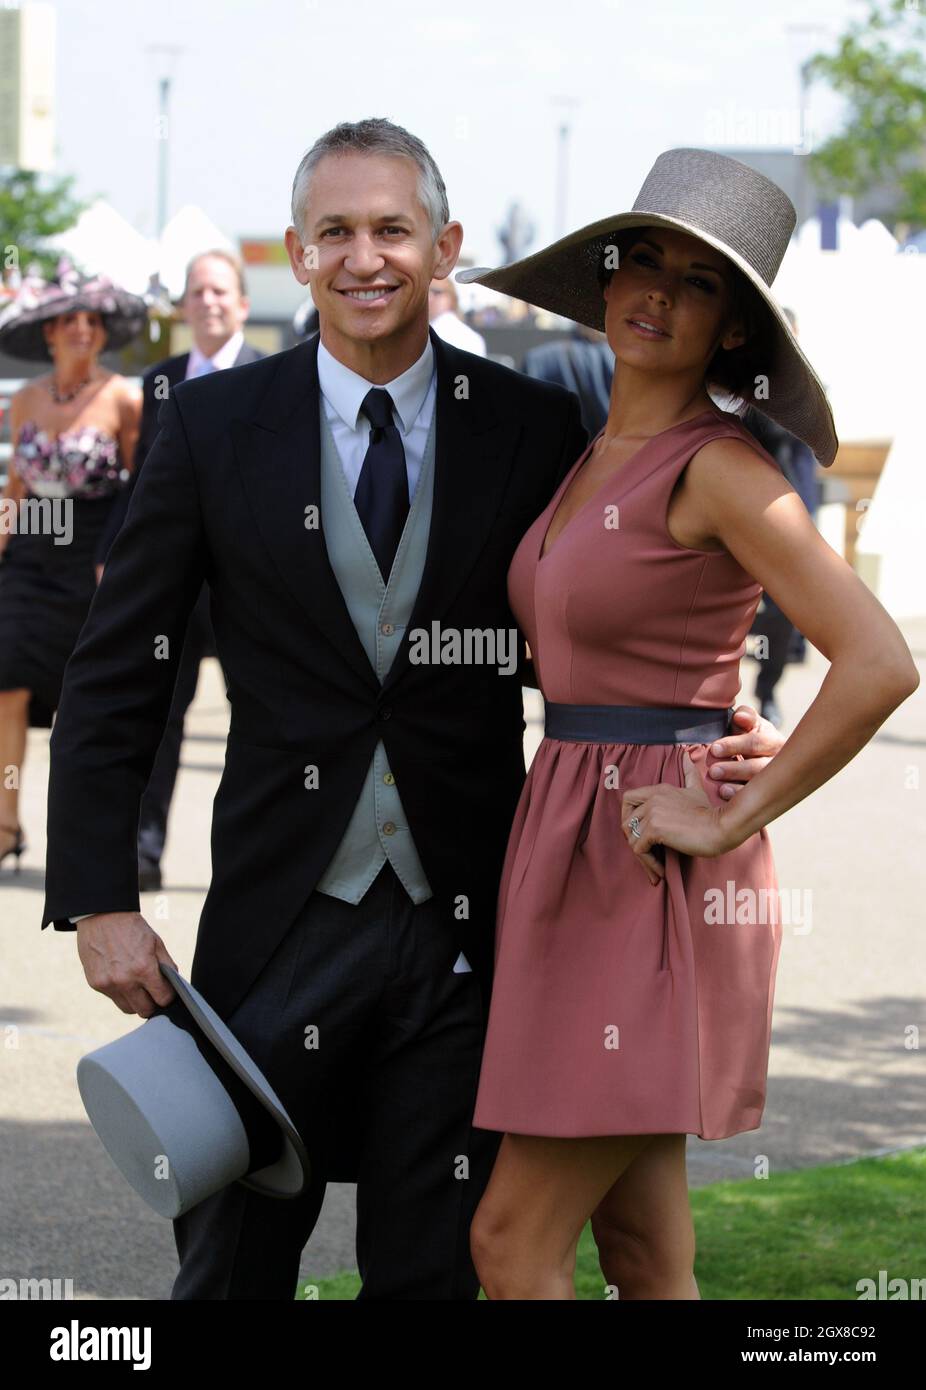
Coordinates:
<point>680,818</point>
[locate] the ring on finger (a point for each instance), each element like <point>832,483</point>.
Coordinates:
<point>635,830</point>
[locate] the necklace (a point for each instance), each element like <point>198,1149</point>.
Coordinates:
<point>62,398</point>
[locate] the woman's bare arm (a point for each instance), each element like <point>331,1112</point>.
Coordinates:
<point>14,487</point>
<point>130,405</point>
<point>748,506</point>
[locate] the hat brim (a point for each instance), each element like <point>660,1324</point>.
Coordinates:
<point>563,278</point>
<point>290,1174</point>
<point>22,335</point>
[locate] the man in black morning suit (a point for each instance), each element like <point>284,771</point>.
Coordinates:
<point>358,1004</point>
<point>215,305</point>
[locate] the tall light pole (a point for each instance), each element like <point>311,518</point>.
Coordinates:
<point>163,129</point>
<point>562,169</point>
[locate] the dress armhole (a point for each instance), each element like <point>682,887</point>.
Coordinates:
<point>723,432</point>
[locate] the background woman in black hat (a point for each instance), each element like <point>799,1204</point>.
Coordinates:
<point>74,431</point>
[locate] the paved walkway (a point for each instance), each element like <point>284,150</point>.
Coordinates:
<point>842,1080</point>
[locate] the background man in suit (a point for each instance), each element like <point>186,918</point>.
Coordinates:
<point>341,498</point>
<point>584,364</point>
<point>215,305</point>
<point>785,643</point>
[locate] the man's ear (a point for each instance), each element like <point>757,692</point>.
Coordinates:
<point>447,250</point>
<point>296,252</point>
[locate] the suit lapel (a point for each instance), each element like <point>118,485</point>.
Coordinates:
<point>475,447</point>
<point>279,458</point>
<point>176,368</point>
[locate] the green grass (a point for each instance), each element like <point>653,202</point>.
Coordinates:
<point>808,1234</point>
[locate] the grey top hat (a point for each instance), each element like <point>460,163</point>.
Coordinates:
<point>183,1111</point>
<point>740,213</point>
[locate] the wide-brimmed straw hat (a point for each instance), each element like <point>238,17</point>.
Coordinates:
<point>37,300</point>
<point>741,214</point>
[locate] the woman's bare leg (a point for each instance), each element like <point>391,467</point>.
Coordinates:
<point>14,715</point>
<point>541,1193</point>
<point>643,1226</point>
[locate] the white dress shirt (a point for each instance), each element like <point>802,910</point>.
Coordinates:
<point>199,363</point>
<point>413,396</point>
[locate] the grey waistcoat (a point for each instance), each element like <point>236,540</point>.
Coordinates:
<point>378,828</point>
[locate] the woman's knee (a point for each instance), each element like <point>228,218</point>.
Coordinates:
<point>491,1246</point>
<point>511,1261</point>
<point>642,1262</point>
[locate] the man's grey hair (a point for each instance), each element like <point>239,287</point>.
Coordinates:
<point>374,136</point>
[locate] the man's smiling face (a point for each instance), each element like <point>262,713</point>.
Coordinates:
<point>375,248</point>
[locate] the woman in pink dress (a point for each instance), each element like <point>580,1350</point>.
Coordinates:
<point>637,931</point>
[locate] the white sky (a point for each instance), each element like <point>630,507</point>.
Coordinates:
<point>258,80</point>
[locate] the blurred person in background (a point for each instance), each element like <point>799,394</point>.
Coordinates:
<point>73,432</point>
<point>444,313</point>
<point>215,305</point>
<point>305,320</point>
<point>797,463</point>
<point>584,364</point>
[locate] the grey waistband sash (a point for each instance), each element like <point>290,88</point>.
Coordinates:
<point>635,723</point>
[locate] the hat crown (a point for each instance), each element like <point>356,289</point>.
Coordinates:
<point>726,199</point>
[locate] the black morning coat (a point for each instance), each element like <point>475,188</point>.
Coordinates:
<point>226,496</point>
<point>171,371</point>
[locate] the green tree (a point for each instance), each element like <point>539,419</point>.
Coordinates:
<point>879,66</point>
<point>30,213</point>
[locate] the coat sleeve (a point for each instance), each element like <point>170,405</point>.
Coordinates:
<point>118,685</point>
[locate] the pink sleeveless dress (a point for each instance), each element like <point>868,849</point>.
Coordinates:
<point>618,1007</point>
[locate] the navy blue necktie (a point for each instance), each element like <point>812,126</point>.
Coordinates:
<point>381,497</point>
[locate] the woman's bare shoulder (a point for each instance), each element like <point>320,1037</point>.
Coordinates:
<point>121,393</point>
<point>128,392</point>
<point>735,457</point>
<point>34,388</point>
<point>28,400</point>
<point>731,480</point>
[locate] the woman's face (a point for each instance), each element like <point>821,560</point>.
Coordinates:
<point>681,288</point>
<point>79,334</point>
